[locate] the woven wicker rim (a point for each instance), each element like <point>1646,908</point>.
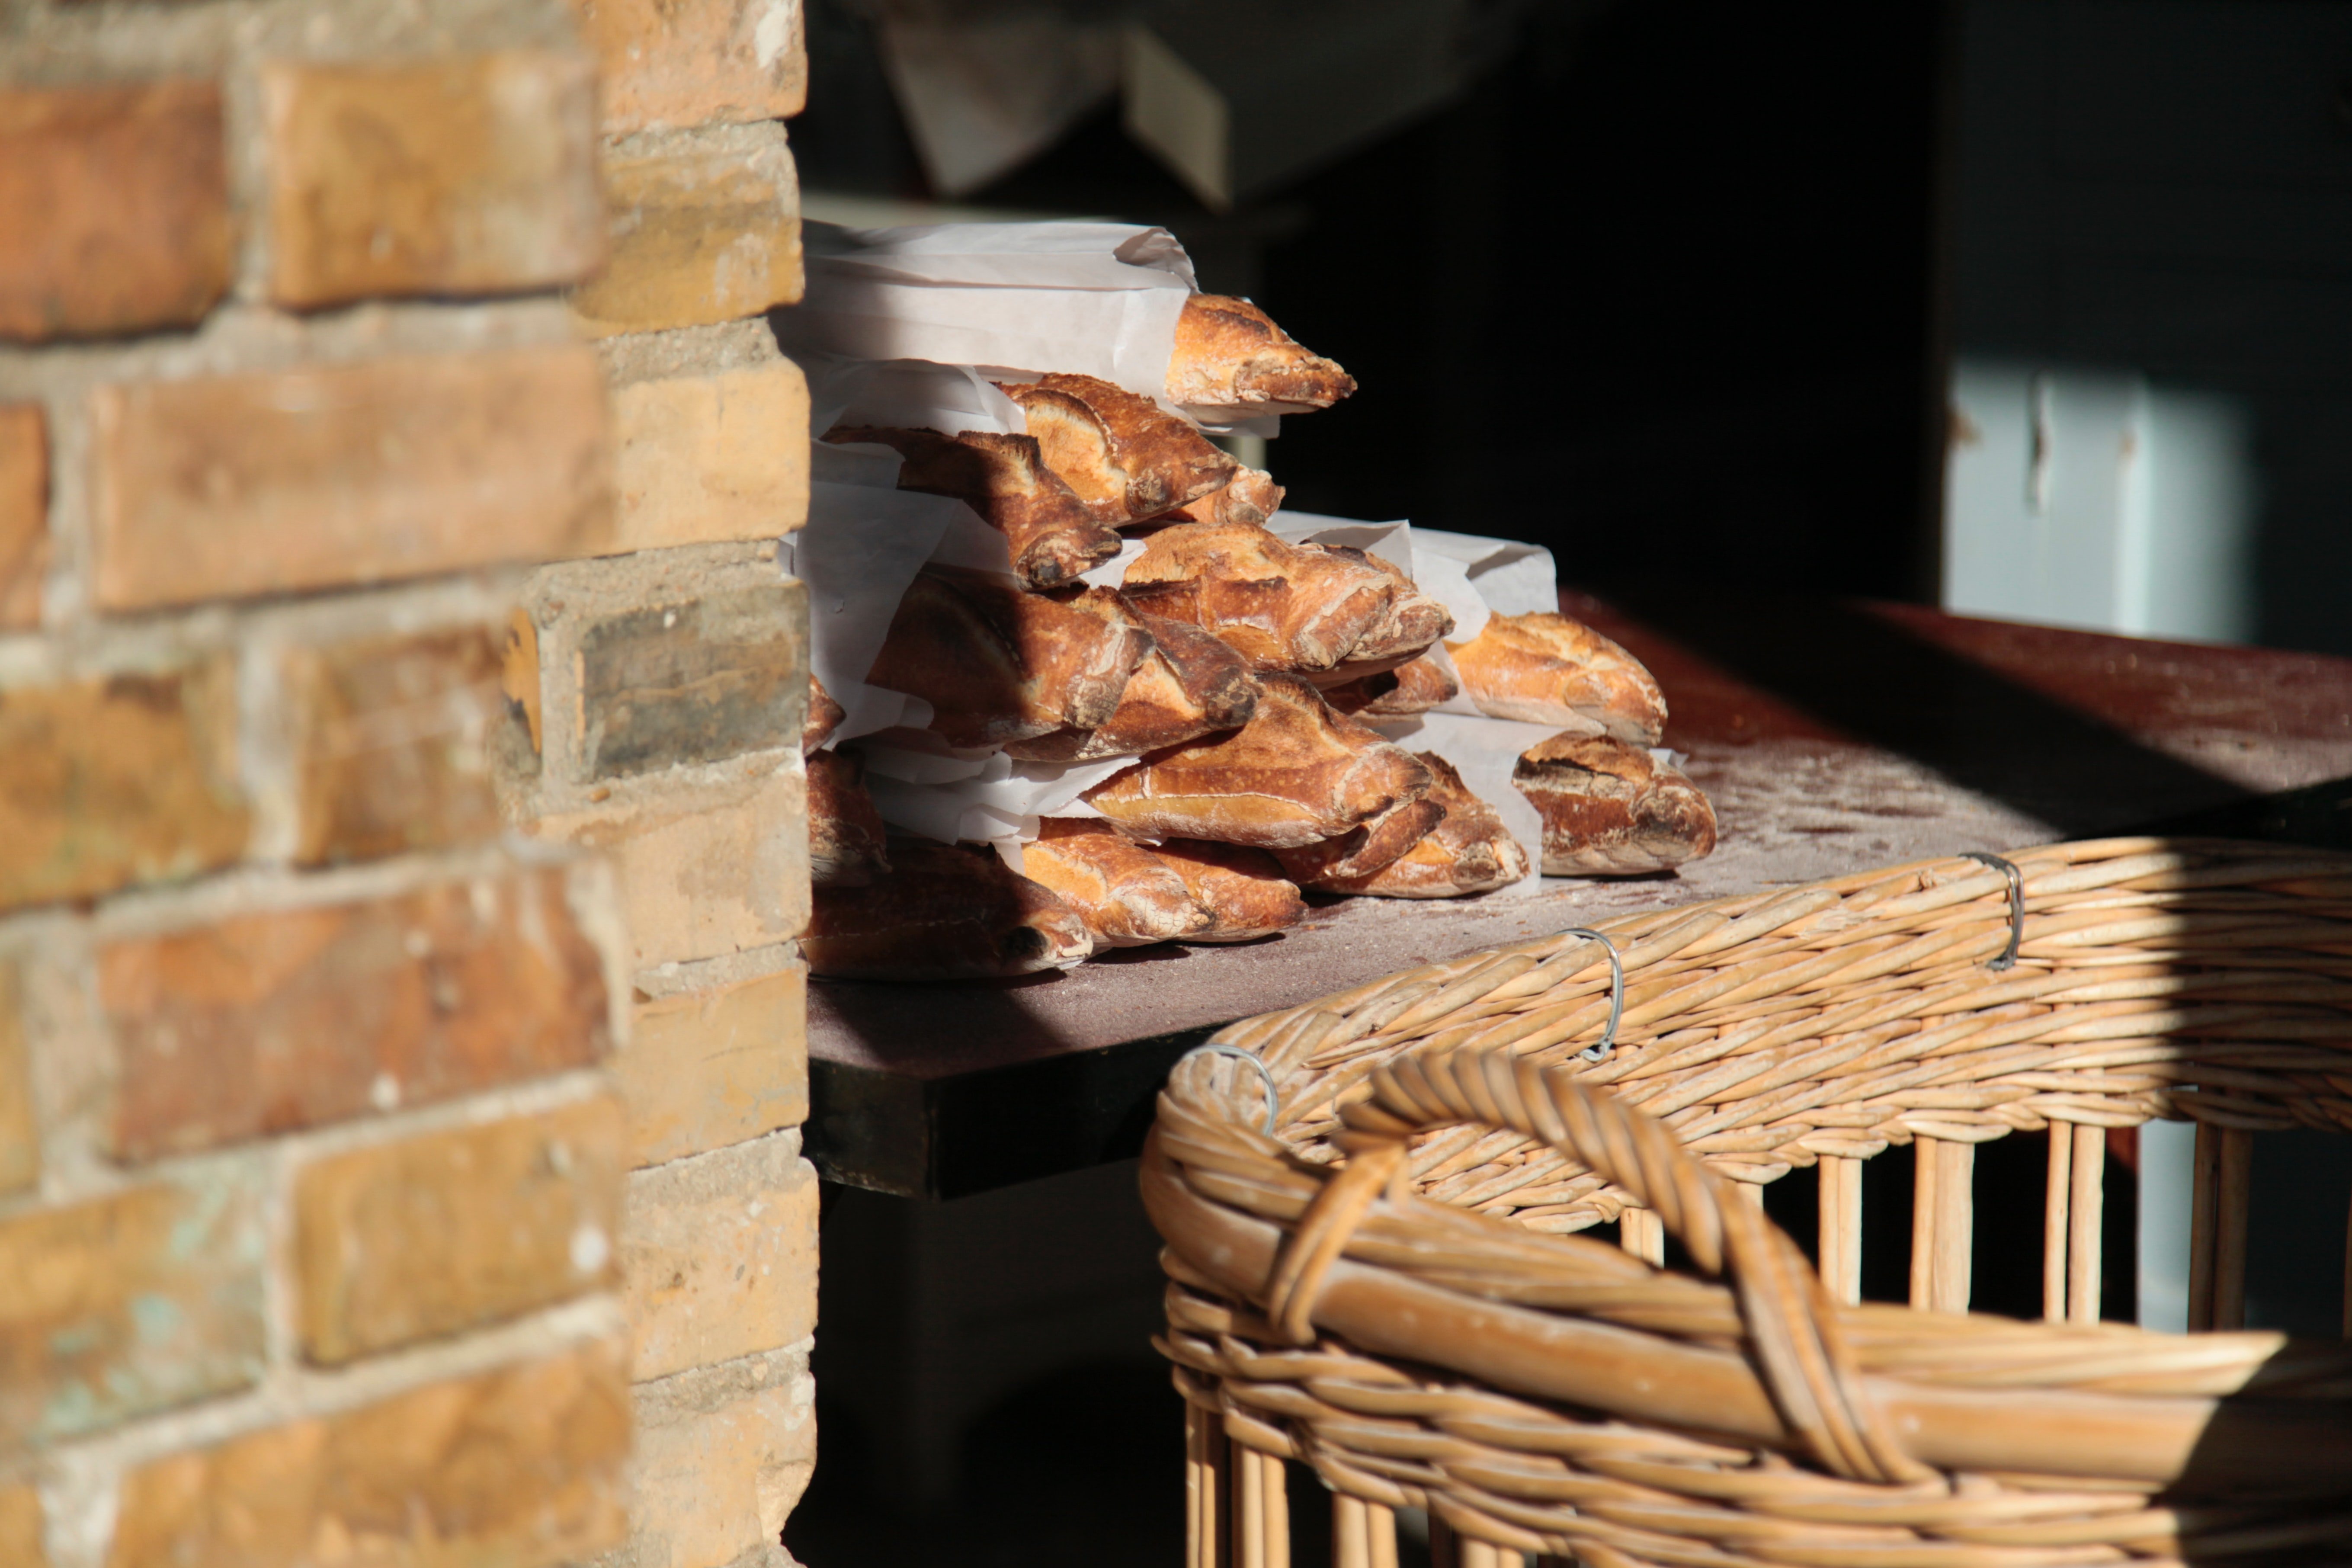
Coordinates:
<point>1363,1292</point>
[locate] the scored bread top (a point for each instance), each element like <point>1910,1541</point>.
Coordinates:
<point>1610,809</point>
<point>1295,775</point>
<point>1053,537</point>
<point>1471,851</point>
<point>1544,669</point>
<point>1127,896</point>
<point>1124,456</point>
<point>1281,606</point>
<point>997,664</point>
<point>1229,360</point>
<point>1244,889</point>
<point>1189,685</point>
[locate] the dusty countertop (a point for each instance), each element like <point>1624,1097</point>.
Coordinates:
<point>1832,737</point>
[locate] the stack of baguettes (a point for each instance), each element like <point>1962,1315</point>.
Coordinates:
<point>1242,672</point>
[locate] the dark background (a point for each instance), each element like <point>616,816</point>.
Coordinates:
<point>1657,291</point>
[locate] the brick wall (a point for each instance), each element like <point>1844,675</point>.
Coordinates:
<point>370,1169</point>
<point>668,687</point>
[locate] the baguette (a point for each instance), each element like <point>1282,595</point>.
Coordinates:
<point>1250,496</point>
<point>1231,362</point>
<point>1470,852</point>
<point>846,836</point>
<point>1281,606</point>
<point>1360,851</point>
<point>997,664</point>
<point>1542,669</point>
<point>1295,775</point>
<point>943,912</point>
<point>1189,685</point>
<point>1054,539</point>
<point>1124,456</point>
<point>1610,809</point>
<point>1127,896</point>
<point>1413,686</point>
<point>1410,625</point>
<point>824,716</point>
<point>1244,889</point>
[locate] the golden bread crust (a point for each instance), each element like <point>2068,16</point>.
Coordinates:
<point>1127,896</point>
<point>1244,889</point>
<point>1124,456</point>
<point>1189,685</point>
<point>1231,361</point>
<point>824,716</point>
<point>1470,852</point>
<point>1416,685</point>
<point>999,665</point>
<point>1295,775</point>
<point>1053,537</point>
<point>1363,850</point>
<point>1543,668</point>
<point>1281,606</point>
<point>1612,809</point>
<point>846,836</point>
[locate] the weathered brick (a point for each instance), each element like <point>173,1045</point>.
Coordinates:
<point>20,1137</point>
<point>463,174</point>
<point>128,1304</point>
<point>702,62</point>
<point>20,1527</point>
<point>516,1469</point>
<point>405,1241</point>
<point>114,213</point>
<point>703,458</point>
<point>720,1251</point>
<point>713,1067</point>
<point>24,512</point>
<point>392,742</point>
<point>709,230</point>
<point>264,1023</point>
<point>223,486</point>
<point>704,872</point>
<point>104,784</point>
<point>715,1484</point>
<point>697,680</point>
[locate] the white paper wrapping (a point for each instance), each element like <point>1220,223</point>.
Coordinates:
<point>1014,299</point>
<point>905,394</point>
<point>862,545</point>
<point>1514,579</point>
<point>923,786</point>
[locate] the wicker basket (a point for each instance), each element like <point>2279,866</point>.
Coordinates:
<point>1360,1280</point>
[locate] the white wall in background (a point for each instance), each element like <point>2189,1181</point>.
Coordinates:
<point>2093,498</point>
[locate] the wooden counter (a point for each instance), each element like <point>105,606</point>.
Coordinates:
<point>1832,738</point>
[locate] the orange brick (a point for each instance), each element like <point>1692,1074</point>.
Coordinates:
<point>266,1023</point>
<point>704,458</point>
<point>699,62</point>
<point>714,1485</point>
<point>706,232</point>
<point>719,1252</point>
<point>114,213</point>
<point>20,1137</point>
<point>465,174</point>
<point>392,744</point>
<point>704,872</point>
<point>105,783</point>
<point>24,512</point>
<point>407,1241</point>
<point>127,1305</point>
<point>714,1068</point>
<point>20,1527</point>
<point>518,1468</point>
<point>230,486</point>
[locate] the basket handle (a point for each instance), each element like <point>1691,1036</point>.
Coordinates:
<point>1790,1321</point>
